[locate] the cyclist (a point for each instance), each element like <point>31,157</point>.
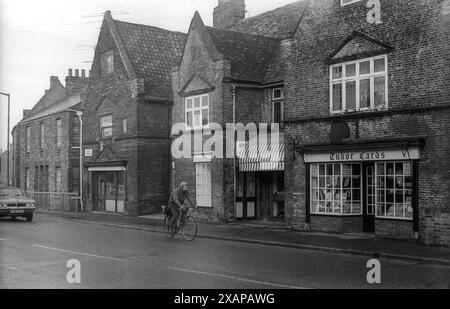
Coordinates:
<point>177,204</point>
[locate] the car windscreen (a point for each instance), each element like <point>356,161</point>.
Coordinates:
<point>10,192</point>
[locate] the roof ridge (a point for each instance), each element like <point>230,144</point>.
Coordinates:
<point>266,12</point>
<point>150,26</point>
<point>244,33</point>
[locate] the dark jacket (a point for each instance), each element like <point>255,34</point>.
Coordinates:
<point>178,197</point>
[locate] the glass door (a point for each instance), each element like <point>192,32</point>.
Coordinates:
<point>370,200</point>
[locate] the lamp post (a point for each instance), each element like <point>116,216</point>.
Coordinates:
<point>80,114</point>
<point>7,146</point>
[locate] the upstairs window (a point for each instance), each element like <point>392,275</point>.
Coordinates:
<point>76,130</point>
<point>28,139</point>
<point>107,60</point>
<point>41,135</point>
<point>106,126</point>
<point>278,105</point>
<point>347,2</point>
<point>197,112</point>
<point>359,85</point>
<point>124,126</point>
<point>59,133</point>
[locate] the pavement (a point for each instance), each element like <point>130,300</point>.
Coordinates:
<point>278,236</point>
<point>50,251</point>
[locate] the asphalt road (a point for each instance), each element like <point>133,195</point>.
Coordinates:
<point>35,255</point>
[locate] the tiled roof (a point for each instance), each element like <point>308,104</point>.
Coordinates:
<point>250,55</point>
<point>280,23</point>
<point>70,101</point>
<point>153,51</point>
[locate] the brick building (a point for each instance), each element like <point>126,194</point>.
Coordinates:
<point>368,117</point>
<point>44,157</point>
<point>4,168</point>
<point>233,73</point>
<point>127,111</point>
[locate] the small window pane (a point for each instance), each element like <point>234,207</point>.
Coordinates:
<point>337,72</point>
<point>205,117</point>
<point>205,100</point>
<point>364,93</point>
<point>380,92</point>
<point>350,70</point>
<point>337,97</point>
<point>351,95</point>
<point>364,67</point>
<point>189,103</point>
<point>380,65</point>
<point>197,102</point>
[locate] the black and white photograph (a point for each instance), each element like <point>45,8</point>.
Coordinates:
<point>210,146</point>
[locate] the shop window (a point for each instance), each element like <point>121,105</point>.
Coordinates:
<point>197,112</point>
<point>336,189</point>
<point>106,126</point>
<point>203,184</point>
<point>394,183</point>
<point>359,85</point>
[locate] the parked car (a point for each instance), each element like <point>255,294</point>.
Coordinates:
<point>15,203</point>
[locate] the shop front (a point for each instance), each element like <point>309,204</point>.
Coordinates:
<point>260,182</point>
<point>108,187</point>
<point>351,188</point>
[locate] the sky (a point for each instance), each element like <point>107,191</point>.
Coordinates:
<point>44,38</point>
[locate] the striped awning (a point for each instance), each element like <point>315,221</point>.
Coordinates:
<point>260,155</point>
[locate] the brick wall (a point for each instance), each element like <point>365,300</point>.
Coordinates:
<point>336,224</point>
<point>394,229</point>
<point>418,76</point>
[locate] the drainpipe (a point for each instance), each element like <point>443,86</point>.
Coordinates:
<point>234,157</point>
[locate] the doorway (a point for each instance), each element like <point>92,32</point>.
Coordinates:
<point>110,191</point>
<point>246,196</point>
<point>370,198</point>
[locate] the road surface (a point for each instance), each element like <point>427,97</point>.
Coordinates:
<point>35,255</point>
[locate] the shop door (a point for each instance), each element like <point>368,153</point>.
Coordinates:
<point>370,199</point>
<point>246,196</point>
<point>100,192</point>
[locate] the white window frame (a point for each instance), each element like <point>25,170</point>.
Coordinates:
<point>348,3</point>
<point>104,127</point>
<point>193,109</point>
<point>351,188</point>
<point>404,189</point>
<point>281,102</point>
<point>282,93</point>
<point>203,194</point>
<point>357,78</point>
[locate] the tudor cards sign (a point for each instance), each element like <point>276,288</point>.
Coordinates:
<point>363,156</point>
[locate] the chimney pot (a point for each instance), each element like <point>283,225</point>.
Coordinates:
<point>70,72</point>
<point>77,73</point>
<point>83,73</point>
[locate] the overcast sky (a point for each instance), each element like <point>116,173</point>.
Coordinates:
<point>42,38</point>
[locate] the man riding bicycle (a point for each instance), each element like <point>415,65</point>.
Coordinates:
<point>177,204</point>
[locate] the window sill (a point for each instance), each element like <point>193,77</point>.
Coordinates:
<point>358,112</point>
<point>394,219</point>
<point>336,215</point>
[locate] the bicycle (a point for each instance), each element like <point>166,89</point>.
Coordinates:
<point>186,224</point>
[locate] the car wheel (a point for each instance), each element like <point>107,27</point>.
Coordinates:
<point>29,217</point>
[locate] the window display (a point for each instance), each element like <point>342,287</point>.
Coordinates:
<point>336,189</point>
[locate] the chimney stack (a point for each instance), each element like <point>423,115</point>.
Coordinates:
<point>76,83</point>
<point>228,13</point>
<point>54,80</point>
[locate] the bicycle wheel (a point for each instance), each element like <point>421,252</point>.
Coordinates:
<point>189,229</point>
